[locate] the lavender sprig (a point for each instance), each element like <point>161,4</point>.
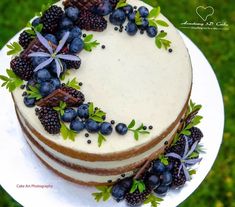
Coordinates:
<point>185,159</point>
<point>53,55</point>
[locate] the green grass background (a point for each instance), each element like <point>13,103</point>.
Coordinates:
<point>218,190</point>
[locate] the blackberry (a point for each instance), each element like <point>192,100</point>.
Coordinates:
<point>49,118</point>
<point>196,134</point>
<point>73,92</point>
<point>82,4</point>
<point>73,64</point>
<point>51,18</point>
<point>22,67</point>
<point>25,39</point>
<point>137,198</point>
<point>178,179</point>
<point>178,147</point>
<point>90,21</point>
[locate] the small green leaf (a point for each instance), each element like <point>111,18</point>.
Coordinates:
<point>12,81</point>
<point>67,133</point>
<point>73,84</point>
<point>162,23</point>
<point>160,41</point>
<point>154,13</point>
<point>104,193</point>
<point>162,35</point>
<point>132,124</point>
<point>153,200</point>
<point>138,184</point>
<point>63,76</point>
<point>14,48</point>
<point>61,108</point>
<point>136,135</point>
<point>89,44</point>
<point>96,114</point>
<point>101,139</point>
<point>192,172</point>
<point>34,93</point>
<point>138,18</point>
<point>164,160</point>
<point>121,4</point>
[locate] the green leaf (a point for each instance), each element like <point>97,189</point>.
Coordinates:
<point>101,139</point>
<point>160,41</point>
<point>153,200</point>
<point>152,23</point>
<point>61,108</point>
<point>73,84</point>
<point>14,48</point>
<point>138,18</point>
<point>132,124</point>
<point>162,23</point>
<point>67,133</point>
<point>138,184</point>
<point>89,44</point>
<point>192,172</point>
<point>12,81</point>
<point>194,155</point>
<point>103,194</point>
<point>34,93</point>
<point>136,135</point>
<point>121,4</point>
<point>96,114</point>
<point>162,35</point>
<point>154,13</point>
<point>63,76</point>
<point>164,160</point>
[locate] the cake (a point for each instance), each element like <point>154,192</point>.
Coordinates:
<point>123,104</point>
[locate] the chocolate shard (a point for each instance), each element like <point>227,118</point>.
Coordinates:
<point>59,95</point>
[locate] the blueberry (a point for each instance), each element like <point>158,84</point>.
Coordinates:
<point>131,28</point>
<point>166,178</point>
<point>104,8</point>
<point>46,88</point>
<point>121,129</point>
<point>55,82</point>
<point>75,32</point>
<point>36,22</point>
<point>72,13</point>
<point>60,34</point>
<point>128,9</point>
<point>118,17</point>
<point>144,24</point>
<point>53,67</point>
<point>43,75</point>
<point>158,167</point>
<point>66,23</point>
<point>77,125</point>
<point>92,126</point>
<point>161,190</point>
<point>69,115</point>
<point>31,82</point>
<point>152,181</point>
<point>83,112</point>
<point>38,60</point>
<point>131,17</point>
<point>29,102</point>
<point>76,46</point>
<point>152,31</point>
<point>106,128</point>
<point>118,192</point>
<point>51,38</point>
<point>127,183</point>
<point>144,12</point>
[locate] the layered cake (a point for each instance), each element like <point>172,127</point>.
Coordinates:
<point>106,87</point>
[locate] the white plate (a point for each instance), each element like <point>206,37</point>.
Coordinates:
<point>19,165</point>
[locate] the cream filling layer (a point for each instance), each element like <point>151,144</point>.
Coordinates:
<point>100,164</point>
<point>80,176</point>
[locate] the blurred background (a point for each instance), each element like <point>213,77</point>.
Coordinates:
<point>218,189</point>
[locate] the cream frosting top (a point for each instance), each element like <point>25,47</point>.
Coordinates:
<point>130,79</point>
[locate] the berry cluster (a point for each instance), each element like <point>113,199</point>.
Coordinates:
<point>119,16</point>
<point>160,176</point>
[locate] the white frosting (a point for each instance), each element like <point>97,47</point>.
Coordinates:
<point>98,164</point>
<point>129,79</point>
<point>80,176</point>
